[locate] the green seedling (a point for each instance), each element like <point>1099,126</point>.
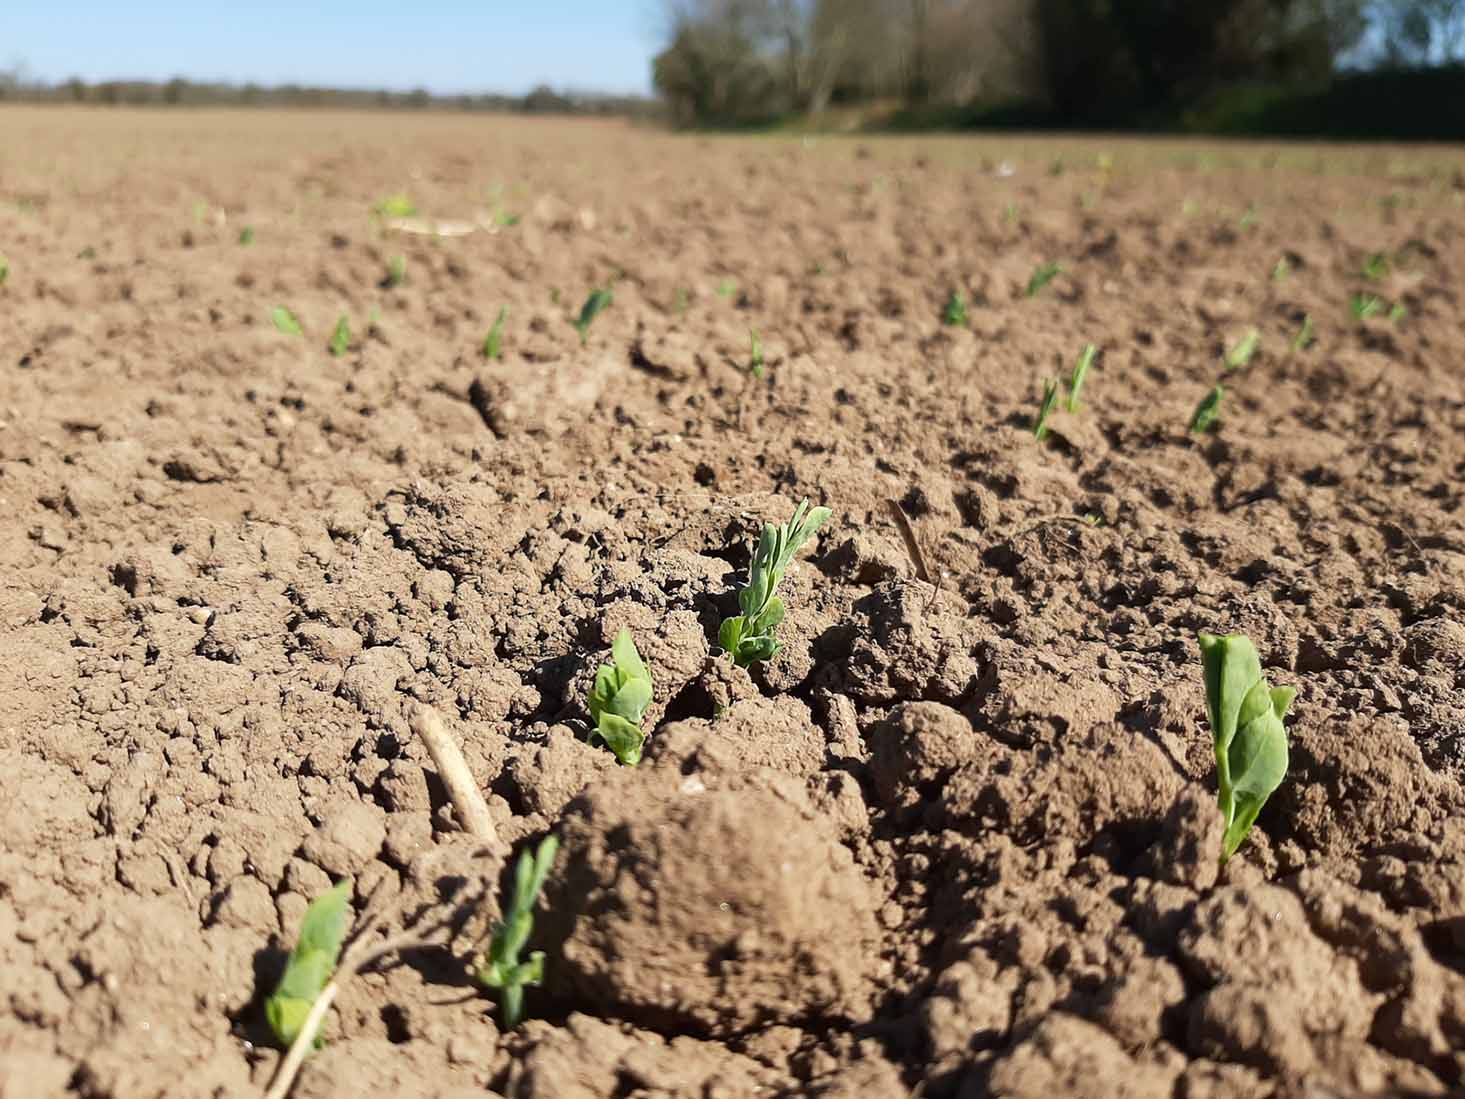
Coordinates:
<point>619,699</point>
<point>1282,270</point>
<point>506,220</point>
<point>749,636</point>
<point>285,321</point>
<point>1045,273</point>
<point>727,288</point>
<point>755,354</point>
<point>1045,409</point>
<point>503,971</point>
<point>1363,306</point>
<point>4,270</point>
<point>1208,412</point>
<point>1248,218</point>
<point>311,964</point>
<point>493,343</point>
<point>594,305</point>
<point>1397,312</point>
<point>1245,348</point>
<point>341,336</point>
<point>246,236</point>
<point>1010,213</point>
<point>680,301</point>
<point>1080,372</point>
<point>1246,725</point>
<point>955,313</point>
<point>1376,266</point>
<point>396,272</point>
<point>396,206</point>
<point>1304,337</point>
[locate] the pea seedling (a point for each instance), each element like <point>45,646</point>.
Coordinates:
<point>396,206</point>
<point>1376,266</point>
<point>755,354</point>
<point>311,964</point>
<point>1245,348</point>
<point>396,272</point>
<point>1246,724</point>
<point>1208,412</point>
<point>1080,372</point>
<point>955,314</point>
<point>493,343</point>
<point>285,321</point>
<point>749,636</point>
<point>619,699</point>
<point>503,971</point>
<point>246,236</point>
<point>1045,409</point>
<point>341,337</point>
<point>594,305</point>
<point>1304,334</point>
<point>1282,270</point>
<point>1045,273</point>
<point>1363,306</point>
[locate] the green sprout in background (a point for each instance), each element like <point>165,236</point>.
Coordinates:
<point>1376,266</point>
<point>1245,348</point>
<point>680,301</point>
<point>1363,306</point>
<point>727,289</point>
<point>1249,218</point>
<point>755,354</point>
<point>1397,312</point>
<point>594,305</point>
<point>1208,412</point>
<point>503,971</point>
<point>1304,336</point>
<point>505,220</point>
<point>4,270</point>
<point>396,272</point>
<point>1246,725</point>
<point>285,321</point>
<point>619,699</point>
<point>749,636</point>
<point>1045,409</point>
<point>493,343</point>
<point>955,313</point>
<point>1282,270</point>
<point>311,964</point>
<point>1080,372</point>
<point>1045,273</point>
<point>396,206</point>
<point>341,336</point>
<point>246,236</point>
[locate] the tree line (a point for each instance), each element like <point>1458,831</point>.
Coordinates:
<point>1070,61</point>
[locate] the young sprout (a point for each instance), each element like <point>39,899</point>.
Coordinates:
<point>285,321</point>
<point>503,970</point>
<point>396,206</point>
<point>1045,273</point>
<point>594,304</point>
<point>311,963</point>
<point>749,636</point>
<point>955,313</point>
<point>1080,372</point>
<point>1363,306</point>
<point>4,270</point>
<point>1208,412</point>
<point>1249,217</point>
<point>246,236</point>
<point>1397,312</point>
<point>727,288</point>
<point>619,699</point>
<point>679,301</point>
<point>1245,348</point>
<point>493,343</point>
<point>396,272</point>
<point>506,220</point>
<point>554,295</point>
<point>1246,724</point>
<point>1282,270</point>
<point>1045,409</point>
<point>341,337</point>
<point>1376,266</point>
<point>755,354</point>
<point>1304,336</point>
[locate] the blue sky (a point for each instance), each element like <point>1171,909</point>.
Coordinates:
<point>444,45</point>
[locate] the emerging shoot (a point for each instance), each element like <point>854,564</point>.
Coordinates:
<point>1080,372</point>
<point>341,337</point>
<point>1050,402</point>
<point>1245,348</point>
<point>619,699</point>
<point>594,305</point>
<point>955,313</point>
<point>503,971</point>
<point>1045,273</point>
<point>493,343</point>
<point>311,963</point>
<point>749,636</point>
<point>755,354</point>
<point>1208,412</point>
<point>285,321</point>
<point>1304,336</point>
<point>1246,725</point>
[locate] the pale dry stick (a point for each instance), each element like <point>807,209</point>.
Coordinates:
<point>452,768</point>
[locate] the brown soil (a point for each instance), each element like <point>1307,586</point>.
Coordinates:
<point>956,838</point>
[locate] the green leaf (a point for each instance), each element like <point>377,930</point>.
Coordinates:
<point>621,737</point>
<point>1042,276</point>
<point>1245,348</point>
<point>1304,334</point>
<point>772,615</point>
<point>503,971</point>
<point>753,649</point>
<point>1045,409</point>
<point>341,337</point>
<point>311,963</point>
<point>1245,715</point>
<point>594,305</point>
<point>396,206</point>
<point>755,354</point>
<point>285,321</point>
<point>955,313</point>
<point>730,633</point>
<point>1080,372</point>
<point>396,272</point>
<point>1208,412</point>
<point>246,236</point>
<point>631,701</point>
<point>628,660</point>
<point>493,342</point>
